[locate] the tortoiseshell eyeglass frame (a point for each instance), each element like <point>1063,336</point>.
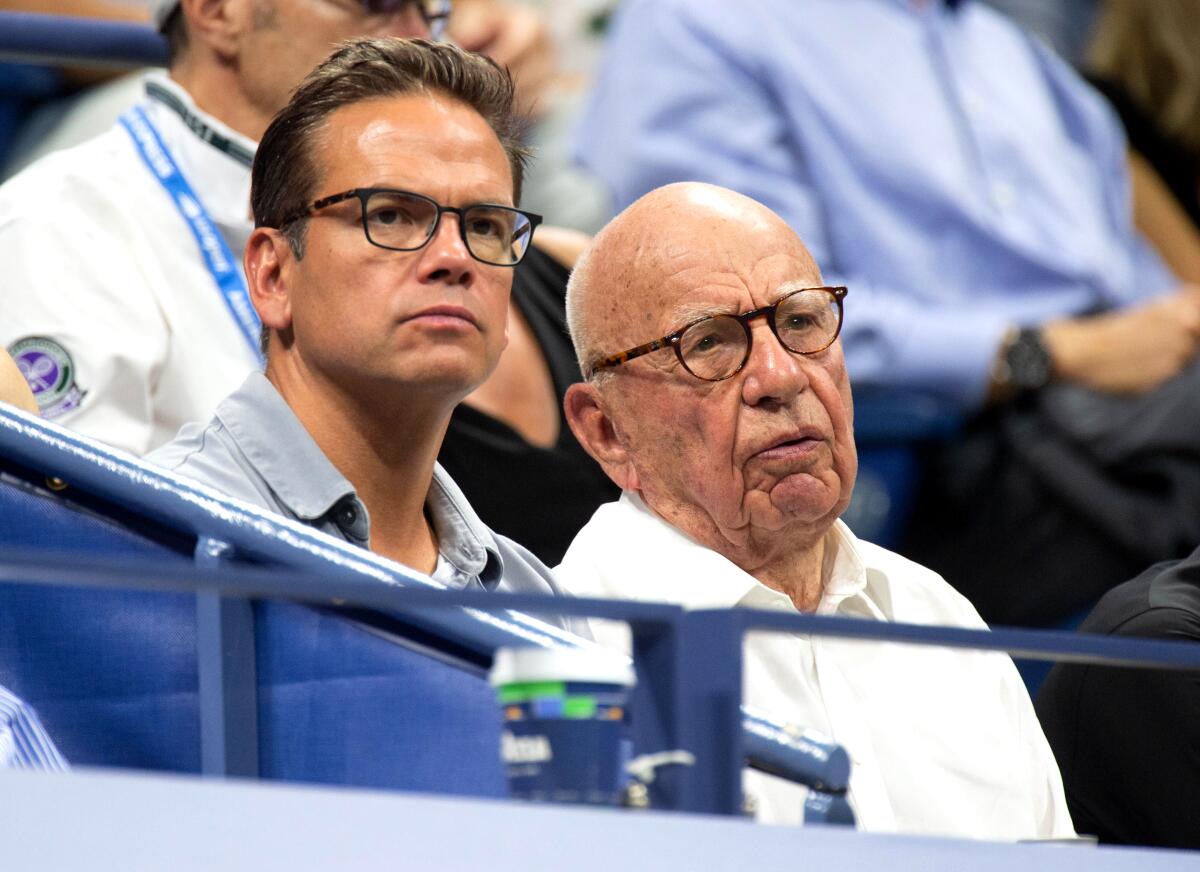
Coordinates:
<point>838,292</point>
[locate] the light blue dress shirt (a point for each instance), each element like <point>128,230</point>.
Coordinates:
<point>23,741</point>
<point>255,449</point>
<point>955,174</point>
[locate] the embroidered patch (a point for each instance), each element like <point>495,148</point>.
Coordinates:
<point>48,368</point>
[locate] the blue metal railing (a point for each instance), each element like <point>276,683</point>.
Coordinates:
<point>691,686</point>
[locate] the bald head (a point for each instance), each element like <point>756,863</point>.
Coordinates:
<point>756,463</point>
<point>666,234</point>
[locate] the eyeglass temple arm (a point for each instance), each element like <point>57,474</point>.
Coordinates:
<point>626,356</point>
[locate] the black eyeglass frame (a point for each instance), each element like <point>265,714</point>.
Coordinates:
<point>838,292</point>
<point>365,194</point>
<point>436,21</point>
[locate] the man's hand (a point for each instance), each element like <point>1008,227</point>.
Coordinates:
<point>1131,351</point>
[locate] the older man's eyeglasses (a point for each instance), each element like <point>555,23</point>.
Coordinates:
<point>404,221</point>
<point>716,347</point>
<point>435,12</point>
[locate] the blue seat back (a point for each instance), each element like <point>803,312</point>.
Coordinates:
<point>113,675</point>
<point>889,428</point>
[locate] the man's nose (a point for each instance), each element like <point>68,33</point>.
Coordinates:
<point>445,257</point>
<point>772,374</point>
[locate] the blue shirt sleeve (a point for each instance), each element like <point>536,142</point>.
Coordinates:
<point>911,169</point>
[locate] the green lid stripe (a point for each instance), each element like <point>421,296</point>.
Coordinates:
<point>579,707</point>
<point>524,691</point>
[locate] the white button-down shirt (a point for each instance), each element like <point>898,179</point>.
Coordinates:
<point>941,741</point>
<point>105,279</point>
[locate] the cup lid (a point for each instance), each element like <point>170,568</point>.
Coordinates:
<point>596,665</point>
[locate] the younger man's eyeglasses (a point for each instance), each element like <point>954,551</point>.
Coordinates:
<point>404,221</point>
<point>435,12</point>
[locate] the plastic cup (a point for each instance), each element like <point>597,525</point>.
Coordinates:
<point>566,723</point>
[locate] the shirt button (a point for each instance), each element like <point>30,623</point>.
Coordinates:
<point>347,515</point>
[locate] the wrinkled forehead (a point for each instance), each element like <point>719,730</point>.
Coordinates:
<point>721,268</point>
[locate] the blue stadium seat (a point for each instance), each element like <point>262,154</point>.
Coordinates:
<point>889,427</point>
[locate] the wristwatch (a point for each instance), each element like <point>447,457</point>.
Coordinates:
<point>1024,363</point>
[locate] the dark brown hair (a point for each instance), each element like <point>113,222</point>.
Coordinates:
<point>285,172</point>
<point>175,30</point>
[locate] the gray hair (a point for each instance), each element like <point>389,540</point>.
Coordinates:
<point>577,323</point>
<point>581,321</point>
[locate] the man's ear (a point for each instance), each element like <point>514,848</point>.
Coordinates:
<point>218,24</point>
<point>268,261</point>
<point>588,415</point>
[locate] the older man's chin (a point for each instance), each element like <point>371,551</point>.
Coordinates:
<point>801,511</point>
<point>809,498</point>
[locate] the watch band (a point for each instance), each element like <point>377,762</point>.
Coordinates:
<point>1027,365</point>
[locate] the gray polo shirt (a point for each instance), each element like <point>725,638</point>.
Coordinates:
<point>256,449</point>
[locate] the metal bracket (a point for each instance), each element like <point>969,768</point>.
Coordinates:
<point>225,654</point>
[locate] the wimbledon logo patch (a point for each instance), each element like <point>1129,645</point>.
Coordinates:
<point>50,372</point>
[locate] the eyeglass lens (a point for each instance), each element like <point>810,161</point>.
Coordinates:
<point>405,222</point>
<point>715,348</point>
<point>435,12</point>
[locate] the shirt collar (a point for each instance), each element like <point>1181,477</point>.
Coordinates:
<point>716,582</point>
<point>464,541</point>
<point>221,180</point>
<point>272,438</point>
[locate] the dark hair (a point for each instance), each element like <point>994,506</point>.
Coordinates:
<point>285,173</point>
<point>175,30</point>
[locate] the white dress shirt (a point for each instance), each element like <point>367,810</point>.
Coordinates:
<point>102,273</point>
<point>941,741</point>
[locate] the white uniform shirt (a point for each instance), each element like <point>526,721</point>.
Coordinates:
<point>125,334</point>
<point>941,741</point>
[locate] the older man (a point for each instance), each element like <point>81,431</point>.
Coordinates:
<point>717,399</point>
<point>381,265</point>
<point>973,191</point>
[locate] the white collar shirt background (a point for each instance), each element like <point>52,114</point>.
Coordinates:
<point>941,742</point>
<point>105,277</point>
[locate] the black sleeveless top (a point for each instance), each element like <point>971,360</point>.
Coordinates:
<point>540,497</point>
<point>1176,165</point>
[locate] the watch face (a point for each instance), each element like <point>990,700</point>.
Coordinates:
<point>1028,361</point>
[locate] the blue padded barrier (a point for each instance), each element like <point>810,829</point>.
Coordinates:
<point>158,504</point>
<point>38,517</point>
<point>115,673</point>
<point>114,676</point>
<point>113,686</point>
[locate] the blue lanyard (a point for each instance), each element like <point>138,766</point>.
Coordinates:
<point>217,257</point>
